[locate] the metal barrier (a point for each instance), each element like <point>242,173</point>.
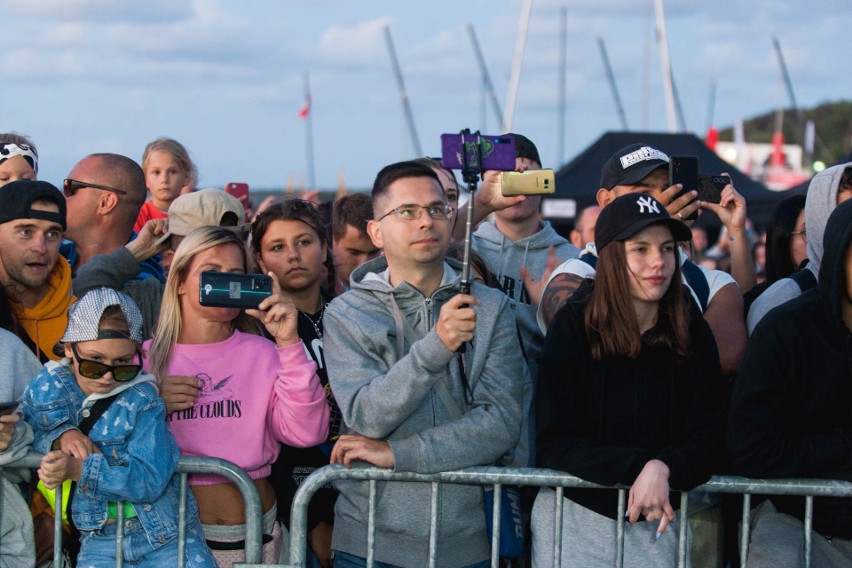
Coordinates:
<point>185,466</point>
<point>498,477</point>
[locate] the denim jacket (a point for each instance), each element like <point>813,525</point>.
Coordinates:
<point>139,453</point>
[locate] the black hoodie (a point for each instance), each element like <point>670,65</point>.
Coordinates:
<point>790,412</point>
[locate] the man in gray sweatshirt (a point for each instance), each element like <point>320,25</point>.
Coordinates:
<point>410,400</point>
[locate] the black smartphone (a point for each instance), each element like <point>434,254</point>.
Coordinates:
<point>8,407</point>
<point>234,290</point>
<point>710,187</point>
<point>684,170</point>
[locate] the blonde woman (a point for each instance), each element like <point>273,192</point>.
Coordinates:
<point>229,392</point>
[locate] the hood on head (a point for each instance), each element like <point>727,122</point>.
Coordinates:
<point>820,202</point>
<point>833,272</point>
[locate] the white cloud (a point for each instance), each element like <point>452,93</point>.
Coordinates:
<point>361,44</point>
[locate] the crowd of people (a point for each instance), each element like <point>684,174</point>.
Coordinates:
<point>628,352</point>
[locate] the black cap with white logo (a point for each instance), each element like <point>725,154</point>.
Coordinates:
<point>631,165</point>
<point>631,213</point>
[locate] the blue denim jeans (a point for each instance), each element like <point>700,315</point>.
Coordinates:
<point>97,548</point>
<point>344,560</point>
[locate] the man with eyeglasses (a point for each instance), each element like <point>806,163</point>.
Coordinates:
<point>411,399</point>
<point>104,193</point>
<point>36,278</point>
<point>827,190</point>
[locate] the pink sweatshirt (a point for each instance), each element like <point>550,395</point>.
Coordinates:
<point>253,396</point>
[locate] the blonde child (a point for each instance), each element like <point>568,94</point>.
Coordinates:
<point>169,171</point>
<point>129,454</point>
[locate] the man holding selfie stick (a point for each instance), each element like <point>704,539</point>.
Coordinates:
<point>391,344</point>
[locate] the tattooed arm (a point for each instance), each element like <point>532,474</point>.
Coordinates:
<point>557,292</point>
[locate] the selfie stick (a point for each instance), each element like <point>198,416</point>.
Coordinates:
<point>470,174</point>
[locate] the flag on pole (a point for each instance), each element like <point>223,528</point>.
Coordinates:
<point>306,109</point>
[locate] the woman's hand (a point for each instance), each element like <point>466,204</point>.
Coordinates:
<point>649,496</point>
<point>278,314</point>
<point>179,392</point>
<point>731,209</point>
<point>57,466</point>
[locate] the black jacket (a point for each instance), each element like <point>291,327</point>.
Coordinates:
<point>604,420</point>
<point>790,412</point>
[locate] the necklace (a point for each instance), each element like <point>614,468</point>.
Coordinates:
<point>318,321</point>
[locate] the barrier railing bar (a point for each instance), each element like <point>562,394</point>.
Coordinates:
<point>495,525</point>
<point>119,535</point>
<point>57,527</point>
<point>433,525</point>
<point>182,521</point>
<point>809,523</point>
<point>681,537</point>
<point>746,528</point>
<point>619,528</point>
<point>557,528</point>
<point>371,526</point>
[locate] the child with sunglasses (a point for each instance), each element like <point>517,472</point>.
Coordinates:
<point>129,455</point>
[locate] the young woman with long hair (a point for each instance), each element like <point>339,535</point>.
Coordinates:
<point>630,392</point>
<point>246,394</point>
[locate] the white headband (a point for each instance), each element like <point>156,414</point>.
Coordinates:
<point>10,150</point>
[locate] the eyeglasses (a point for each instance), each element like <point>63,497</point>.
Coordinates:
<point>412,212</point>
<point>804,234</point>
<point>72,186</point>
<point>96,370</point>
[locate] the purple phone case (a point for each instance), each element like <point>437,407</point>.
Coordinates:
<point>498,152</point>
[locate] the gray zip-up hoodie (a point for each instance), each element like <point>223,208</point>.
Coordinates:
<point>820,202</point>
<point>387,396</point>
<point>505,259</point>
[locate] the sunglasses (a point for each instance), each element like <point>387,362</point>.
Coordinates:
<point>96,370</point>
<point>72,186</point>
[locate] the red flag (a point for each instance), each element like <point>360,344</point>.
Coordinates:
<point>305,110</point>
<point>712,138</point>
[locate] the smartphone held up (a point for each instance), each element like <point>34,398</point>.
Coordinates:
<point>530,182</point>
<point>234,290</point>
<point>684,170</point>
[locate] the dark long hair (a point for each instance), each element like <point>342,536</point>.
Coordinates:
<point>610,320</point>
<point>779,261</point>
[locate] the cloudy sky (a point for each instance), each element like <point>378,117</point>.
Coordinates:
<point>226,78</point>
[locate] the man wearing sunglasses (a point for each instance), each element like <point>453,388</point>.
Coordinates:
<point>35,277</point>
<point>104,193</point>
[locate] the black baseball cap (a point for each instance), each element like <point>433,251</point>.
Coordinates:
<point>629,214</point>
<point>631,164</point>
<point>524,148</point>
<point>17,197</point>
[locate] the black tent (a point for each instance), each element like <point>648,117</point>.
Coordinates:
<point>579,180</point>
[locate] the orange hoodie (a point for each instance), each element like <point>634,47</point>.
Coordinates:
<point>45,322</point>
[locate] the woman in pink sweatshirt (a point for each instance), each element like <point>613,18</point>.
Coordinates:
<point>229,392</point>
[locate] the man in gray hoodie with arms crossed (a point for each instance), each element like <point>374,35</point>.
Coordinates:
<point>410,401</point>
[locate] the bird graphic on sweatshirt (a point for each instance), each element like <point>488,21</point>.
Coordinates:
<point>211,391</point>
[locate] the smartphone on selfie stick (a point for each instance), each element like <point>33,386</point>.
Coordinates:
<point>474,153</point>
